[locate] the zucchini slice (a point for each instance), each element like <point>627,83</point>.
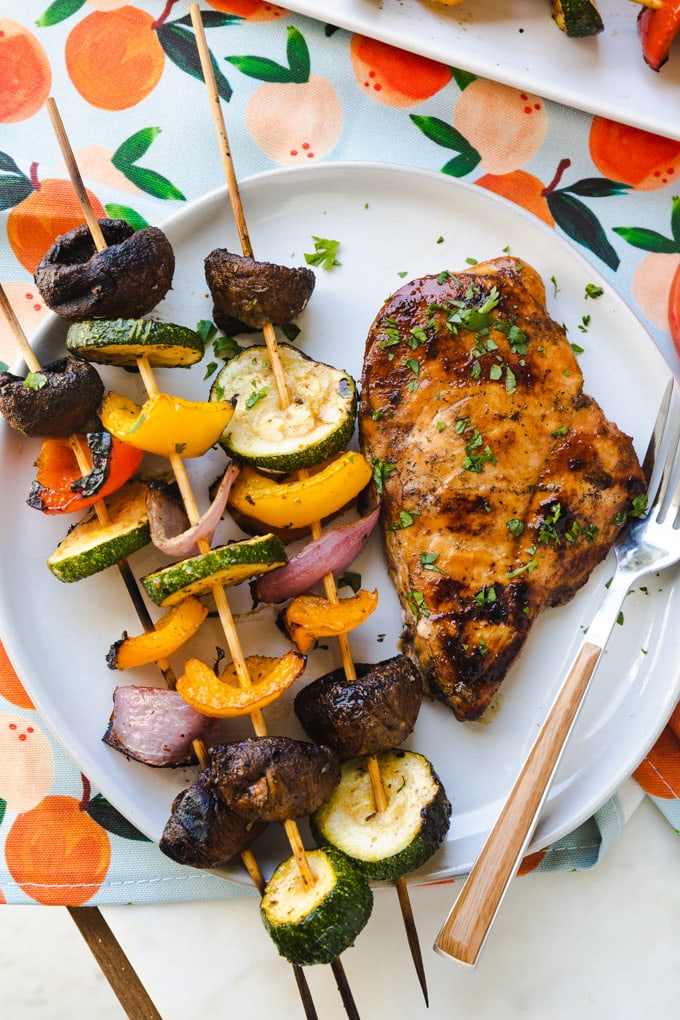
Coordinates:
<point>317,423</point>
<point>124,341</point>
<point>91,546</point>
<point>391,843</point>
<point>225,564</point>
<point>315,925</point>
<point>577,18</point>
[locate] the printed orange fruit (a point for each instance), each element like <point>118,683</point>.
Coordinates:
<point>505,125</point>
<point>114,58</point>
<point>522,188</point>
<point>56,853</point>
<point>25,74</point>
<point>628,154</point>
<point>251,10</point>
<point>659,773</point>
<point>50,210</point>
<point>394,77</point>
<point>11,687</point>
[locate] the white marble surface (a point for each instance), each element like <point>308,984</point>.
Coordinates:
<point>598,945</point>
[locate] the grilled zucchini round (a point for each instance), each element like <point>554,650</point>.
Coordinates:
<point>317,423</point>
<point>314,925</point>
<point>386,844</point>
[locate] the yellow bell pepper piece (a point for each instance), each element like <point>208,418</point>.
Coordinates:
<point>223,697</point>
<point>170,633</point>
<point>298,503</point>
<point>309,617</point>
<point>165,424</point>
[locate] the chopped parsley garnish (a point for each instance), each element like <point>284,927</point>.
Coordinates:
<point>324,253</point>
<point>638,508</point>
<point>428,561</point>
<point>406,519</point>
<point>291,331</point>
<point>381,471</point>
<point>485,596</point>
<point>413,367</point>
<point>417,603</point>
<point>35,381</point>
<point>256,396</point>
<point>593,291</point>
<point>515,526</point>
<point>547,531</point>
<point>476,457</point>
<point>350,579</point>
<point>528,567</point>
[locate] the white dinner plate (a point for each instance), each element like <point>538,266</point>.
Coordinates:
<point>517,42</point>
<point>393,224</point>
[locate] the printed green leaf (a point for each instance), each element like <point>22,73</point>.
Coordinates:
<point>3,808</point>
<point>105,814</point>
<point>153,183</point>
<point>211,19</point>
<point>179,45</point>
<point>441,133</point>
<point>675,218</point>
<point>126,156</point>
<point>297,52</point>
<point>134,147</point>
<point>60,10</point>
<point>462,165</point>
<point>14,188</point>
<point>7,164</point>
<point>124,212</point>
<point>648,240</point>
<point>598,187</point>
<point>581,225</point>
<point>462,78</point>
<point>263,69</point>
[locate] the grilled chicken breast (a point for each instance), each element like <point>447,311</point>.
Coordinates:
<point>503,484</point>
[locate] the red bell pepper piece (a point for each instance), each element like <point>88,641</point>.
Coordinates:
<point>658,27</point>
<point>60,486</point>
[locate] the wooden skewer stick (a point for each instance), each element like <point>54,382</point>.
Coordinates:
<point>379,793</point>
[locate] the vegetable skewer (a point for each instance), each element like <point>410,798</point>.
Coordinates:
<point>222,604</point>
<point>379,793</point>
<point>119,972</point>
<point>131,990</point>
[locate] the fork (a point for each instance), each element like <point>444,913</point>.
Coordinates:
<point>650,543</point>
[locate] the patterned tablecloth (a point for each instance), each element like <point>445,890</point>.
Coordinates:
<point>295,91</point>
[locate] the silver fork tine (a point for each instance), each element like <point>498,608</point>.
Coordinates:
<point>668,462</point>
<point>655,456</point>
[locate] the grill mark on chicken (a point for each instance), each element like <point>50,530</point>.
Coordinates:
<point>503,483</point>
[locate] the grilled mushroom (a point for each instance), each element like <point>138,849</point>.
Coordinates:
<point>367,716</point>
<point>202,831</point>
<point>125,280</point>
<point>274,778</point>
<point>248,294</point>
<point>60,399</point>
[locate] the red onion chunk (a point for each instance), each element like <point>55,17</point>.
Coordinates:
<point>164,516</point>
<point>156,726</point>
<point>332,553</point>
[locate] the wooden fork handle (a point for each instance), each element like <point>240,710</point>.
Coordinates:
<point>465,930</point>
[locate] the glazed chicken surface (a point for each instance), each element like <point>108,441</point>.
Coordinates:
<point>503,483</point>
